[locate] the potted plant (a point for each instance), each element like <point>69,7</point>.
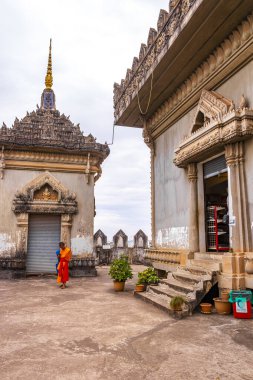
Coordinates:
<point>139,287</point>
<point>222,306</point>
<point>153,279</point>
<point>148,277</point>
<point>120,270</point>
<point>176,303</point>
<point>206,308</point>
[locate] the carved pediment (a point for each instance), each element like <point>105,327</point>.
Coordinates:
<point>45,194</point>
<point>120,239</point>
<point>42,180</point>
<point>100,238</point>
<point>217,123</point>
<point>211,106</point>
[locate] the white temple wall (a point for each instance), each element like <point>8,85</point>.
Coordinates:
<point>171,188</point>
<point>171,183</point>
<point>82,222</point>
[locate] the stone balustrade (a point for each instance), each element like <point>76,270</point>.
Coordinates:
<point>163,259</point>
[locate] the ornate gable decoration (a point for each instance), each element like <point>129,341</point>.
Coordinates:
<point>212,106</point>
<point>120,239</point>
<point>99,238</point>
<point>140,240</point>
<point>217,123</point>
<point>49,129</point>
<point>45,194</point>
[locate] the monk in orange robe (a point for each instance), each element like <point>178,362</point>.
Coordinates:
<point>63,267</point>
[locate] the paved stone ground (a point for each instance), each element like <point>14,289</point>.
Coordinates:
<point>90,332</point>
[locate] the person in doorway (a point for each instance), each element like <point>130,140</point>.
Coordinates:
<point>63,267</point>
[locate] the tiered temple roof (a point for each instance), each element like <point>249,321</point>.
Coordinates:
<point>48,129</point>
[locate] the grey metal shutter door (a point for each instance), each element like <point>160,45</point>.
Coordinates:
<point>214,167</point>
<point>43,240</point>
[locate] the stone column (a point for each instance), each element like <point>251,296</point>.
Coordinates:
<point>22,240</point>
<point>240,233</point>
<point>148,139</point>
<point>66,224</point>
<point>193,208</point>
<point>152,158</point>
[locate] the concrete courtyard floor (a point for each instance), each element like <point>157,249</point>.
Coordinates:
<point>90,332</point>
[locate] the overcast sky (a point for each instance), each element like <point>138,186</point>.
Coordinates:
<point>94,42</point>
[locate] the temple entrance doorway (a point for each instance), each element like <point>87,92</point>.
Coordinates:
<point>44,233</point>
<point>216,205</point>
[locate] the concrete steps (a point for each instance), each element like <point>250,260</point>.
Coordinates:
<point>158,301</point>
<point>191,283</point>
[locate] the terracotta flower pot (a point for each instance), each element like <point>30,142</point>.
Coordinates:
<point>177,308</point>
<point>222,306</point>
<point>206,308</point>
<point>139,287</point>
<point>119,286</point>
<point>224,295</point>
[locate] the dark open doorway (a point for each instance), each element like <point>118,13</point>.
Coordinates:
<point>216,205</point>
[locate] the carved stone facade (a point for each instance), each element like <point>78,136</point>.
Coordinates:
<point>120,243</point>
<point>158,42</point>
<point>106,252</point>
<point>198,114</point>
<point>47,167</point>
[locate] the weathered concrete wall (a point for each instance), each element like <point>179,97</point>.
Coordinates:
<point>233,88</point>
<point>249,179</point>
<point>171,188</point>
<point>240,83</point>
<point>82,222</point>
<point>171,183</point>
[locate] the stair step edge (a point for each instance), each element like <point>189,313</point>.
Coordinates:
<point>160,303</point>
<point>170,293</point>
<point>175,283</point>
<point>188,276</point>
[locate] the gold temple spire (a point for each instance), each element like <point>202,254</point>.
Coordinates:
<point>49,75</point>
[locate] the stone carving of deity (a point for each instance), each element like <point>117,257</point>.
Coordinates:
<point>46,194</point>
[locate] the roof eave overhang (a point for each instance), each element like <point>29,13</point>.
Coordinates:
<point>206,26</point>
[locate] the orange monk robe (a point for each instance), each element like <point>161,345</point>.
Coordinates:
<point>63,267</point>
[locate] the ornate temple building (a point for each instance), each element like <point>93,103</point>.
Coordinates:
<point>190,90</point>
<point>48,170</point>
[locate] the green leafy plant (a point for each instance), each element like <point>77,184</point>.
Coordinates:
<point>148,276</point>
<point>177,302</point>
<point>120,269</point>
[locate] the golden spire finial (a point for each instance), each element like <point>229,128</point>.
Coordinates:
<point>49,76</point>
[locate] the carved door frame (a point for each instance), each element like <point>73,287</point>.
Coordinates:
<point>26,202</point>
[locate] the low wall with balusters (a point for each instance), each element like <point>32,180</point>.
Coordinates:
<point>165,259</point>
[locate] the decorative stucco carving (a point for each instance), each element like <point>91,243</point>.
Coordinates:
<point>87,170</point>
<point>212,106</point>
<point>22,238</point>
<point>218,58</point>
<point>66,224</point>
<point>156,43</point>
<point>140,240</point>
<point>50,129</point>
<point>120,239</point>
<point>34,198</point>
<point>2,164</point>
<point>192,173</point>
<point>99,238</point>
<point>125,92</point>
<point>146,134</point>
<point>225,125</point>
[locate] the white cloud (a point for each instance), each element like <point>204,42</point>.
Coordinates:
<point>94,43</point>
